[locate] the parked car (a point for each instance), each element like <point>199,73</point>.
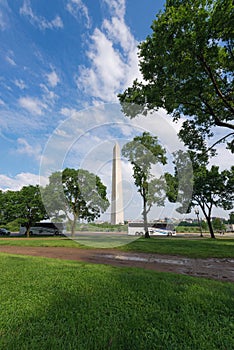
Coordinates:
<point>4,232</point>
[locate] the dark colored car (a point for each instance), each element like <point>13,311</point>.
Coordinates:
<point>4,232</point>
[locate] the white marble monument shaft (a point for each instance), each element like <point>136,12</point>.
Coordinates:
<point>117,213</point>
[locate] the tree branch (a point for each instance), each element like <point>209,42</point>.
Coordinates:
<point>220,140</point>
<point>217,121</point>
<point>219,93</point>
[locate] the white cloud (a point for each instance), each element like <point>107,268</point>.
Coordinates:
<point>20,83</point>
<point>112,53</point>
<point>48,95</point>
<point>53,79</point>
<point>33,105</point>
<point>2,103</point>
<point>67,112</point>
<point>19,123</point>
<point>77,9</point>
<point>119,33</point>
<point>10,60</point>
<point>55,23</point>
<point>117,7</point>
<point>86,139</point>
<point>23,179</point>
<point>224,157</point>
<point>23,147</point>
<point>39,21</point>
<point>62,133</point>
<point>3,24</point>
<point>103,79</point>
<point>5,14</point>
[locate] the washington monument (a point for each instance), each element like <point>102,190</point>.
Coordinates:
<point>117,213</point>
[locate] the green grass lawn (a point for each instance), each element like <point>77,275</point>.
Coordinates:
<point>194,248</point>
<point>197,247</point>
<point>50,304</point>
<point>41,242</point>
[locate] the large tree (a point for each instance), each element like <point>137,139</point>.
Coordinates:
<point>218,225</point>
<point>78,194</point>
<point>53,197</point>
<point>142,152</point>
<point>8,212</point>
<point>231,218</point>
<point>211,188</point>
<point>29,207</point>
<point>187,65</point>
<point>25,206</point>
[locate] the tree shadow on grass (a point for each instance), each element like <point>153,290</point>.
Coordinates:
<point>69,305</point>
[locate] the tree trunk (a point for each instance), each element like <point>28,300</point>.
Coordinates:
<point>145,218</point>
<point>28,232</point>
<point>210,227</point>
<point>28,226</point>
<point>73,227</point>
<point>208,220</point>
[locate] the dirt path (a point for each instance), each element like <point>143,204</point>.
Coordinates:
<point>220,269</point>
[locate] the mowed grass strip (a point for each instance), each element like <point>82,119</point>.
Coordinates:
<point>55,304</point>
<point>40,242</point>
<point>190,247</point>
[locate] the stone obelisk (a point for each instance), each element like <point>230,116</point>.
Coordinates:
<point>117,213</point>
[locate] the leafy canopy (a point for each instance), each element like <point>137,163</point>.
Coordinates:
<point>187,65</point>
<point>29,206</point>
<point>76,194</point>
<point>143,152</point>
<point>85,193</point>
<point>211,188</point>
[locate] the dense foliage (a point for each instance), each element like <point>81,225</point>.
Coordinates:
<point>75,194</point>
<point>211,188</point>
<point>25,206</point>
<point>143,152</point>
<point>72,194</point>
<point>187,66</point>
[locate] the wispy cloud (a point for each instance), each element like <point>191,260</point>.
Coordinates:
<point>53,79</point>
<point>3,23</point>
<point>32,105</point>
<point>39,21</point>
<point>18,123</point>
<point>78,9</point>
<point>10,60</point>
<point>49,96</point>
<point>112,54</point>
<point>20,84</point>
<point>23,147</point>
<point>4,15</point>
<point>67,112</point>
<point>106,73</point>
<point>23,179</point>
<point>224,158</point>
<point>116,7</point>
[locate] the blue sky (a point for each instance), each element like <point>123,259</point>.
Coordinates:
<point>58,58</point>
